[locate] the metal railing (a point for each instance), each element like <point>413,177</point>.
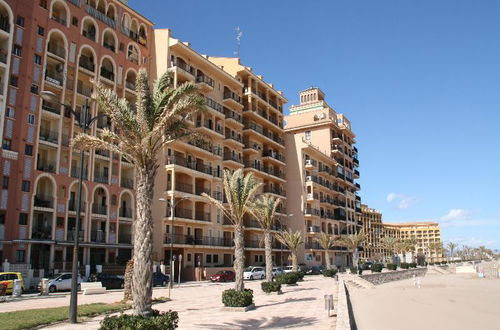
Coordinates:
<point>46,166</point>
<point>125,212</point>
<point>232,96</point>
<point>205,80</point>
<point>54,78</point>
<point>44,201</point>
<point>127,183</point>
<point>98,236</point>
<point>56,50</point>
<point>49,135</point>
<point>100,16</point>
<point>198,240</point>
<point>101,178</point>
<point>72,205</point>
<point>99,209</point>
<point>86,63</point>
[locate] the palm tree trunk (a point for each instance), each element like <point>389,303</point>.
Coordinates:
<point>327,260</point>
<point>295,264</point>
<point>355,258</point>
<point>269,257</point>
<point>143,244</point>
<point>239,257</point>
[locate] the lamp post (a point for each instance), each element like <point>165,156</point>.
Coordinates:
<point>84,123</point>
<point>174,204</point>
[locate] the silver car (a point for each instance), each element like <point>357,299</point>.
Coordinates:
<point>62,282</point>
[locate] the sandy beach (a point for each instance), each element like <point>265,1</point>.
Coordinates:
<point>452,301</point>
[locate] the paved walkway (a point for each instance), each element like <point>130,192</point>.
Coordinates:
<point>199,307</point>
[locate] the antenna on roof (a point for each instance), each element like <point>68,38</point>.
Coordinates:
<point>239,33</point>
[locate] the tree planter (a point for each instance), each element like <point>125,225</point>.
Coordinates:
<point>291,284</point>
<point>238,309</point>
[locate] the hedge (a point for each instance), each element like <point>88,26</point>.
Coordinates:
<point>157,321</point>
<point>269,287</point>
<point>392,266</point>
<point>233,298</point>
<point>288,278</point>
<point>329,272</point>
<point>377,268</point>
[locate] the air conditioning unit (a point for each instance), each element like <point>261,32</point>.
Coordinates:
<point>308,178</point>
<point>308,162</point>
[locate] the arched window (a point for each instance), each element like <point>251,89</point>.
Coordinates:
<point>109,40</point>
<point>133,54</point>
<point>107,69</point>
<point>89,29</point>
<point>59,12</point>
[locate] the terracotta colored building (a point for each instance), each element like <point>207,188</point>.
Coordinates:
<point>64,46</point>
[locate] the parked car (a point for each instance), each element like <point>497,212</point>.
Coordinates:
<point>252,273</point>
<point>8,278</point>
<point>108,281</point>
<point>315,270</point>
<point>277,271</point>
<point>160,279</point>
<point>287,269</point>
<point>62,282</point>
<point>222,276</point>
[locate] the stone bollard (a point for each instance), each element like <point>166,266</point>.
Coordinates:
<point>17,290</point>
<point>44,287</point>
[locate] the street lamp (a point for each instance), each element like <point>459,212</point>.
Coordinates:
<point>174,204</point>
<point>84,122</point>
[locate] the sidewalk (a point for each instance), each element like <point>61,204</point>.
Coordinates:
<point>300,306</point>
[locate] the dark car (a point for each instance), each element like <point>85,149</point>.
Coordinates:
<point>222,276</point>
<point>160,279</point>
<point>108,281</point>
<point>315,270</point>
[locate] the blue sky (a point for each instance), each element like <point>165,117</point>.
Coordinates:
<point>420,81</point>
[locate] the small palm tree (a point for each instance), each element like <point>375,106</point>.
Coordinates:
<point>352,242</point>
<point>240,191</point>
<point>160,117</point>
<point>265,212</point>
<point>293,240</point>
<point>326,241</point>
<point>390,244</point>
<point>407,245</point>
<point>451,247</point>
<point>436,247</point>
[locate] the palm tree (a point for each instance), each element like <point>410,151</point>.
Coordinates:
<point>451,247</point>
<point>240,191</point>
<point>292,240</point>
<point>407,245</point>
<point>352,242</point>
<point>326,242</point>
<point>390,244</point>
<point>159,117</point>
<point>265,212</point>
<point>436,247</point>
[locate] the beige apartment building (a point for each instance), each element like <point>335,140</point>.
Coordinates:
<point>231,140</point>
<point>374,230</point>
<point>425,233</point>
<point>321,168</point>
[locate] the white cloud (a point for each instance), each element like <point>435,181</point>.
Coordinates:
<point>456,214</point>
<point>403,202</point>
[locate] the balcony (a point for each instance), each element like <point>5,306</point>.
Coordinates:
<point>355,161</point>
<point>44,201</point>
<point>71,235</point>
<point>125,238</point>
<point>56,50</point>
<point>203,216</point>
<point>101,178</point>
<point>181,213</point>
<point>236,158</point>
<point>275,191</point>
<point>51,108</point>
<point>108,74</point>
<point>358,186</point>
<point>54,78</point>
<point>89,35</point>
<point>49,135</point>
<point>313,229</point>
<point>75,173</point>
<point>214,105</point>
<point>356,173</point>
<point>102,153</point>
<point>232,98</point>
<point>46,166</point>
<point>274,172</point>
<point>41,233</point>
<point>127,183</point>
<point>72,205</point>
<point>59,20</point>
<point>274,155</point>
<point>98,236</point>
<point>100,16</point>
<point>125,212</point>
<point>198,240</point>
<point>4,24</point>
<point>182,187</point>
<point>232,115</point>
<point>205,81</point>
<point>234,137</point>
<point>130,85</point>
<point>312,211</point>
<point>109,46</point>
<point>3,56</point>
<point>86,63</point>
<point>200,167</point>
<point>99,209</point>
<point>84,90</point>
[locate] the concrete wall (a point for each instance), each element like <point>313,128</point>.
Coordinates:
<point>380,278</point>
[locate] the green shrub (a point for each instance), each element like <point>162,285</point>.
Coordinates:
<point>157,321</point>
<point>270,287</point>
<point>413,265</point>
<point>354,270</point>
<point>288,278</point>
<point>392,266</point>
<point>329,272</point>
<point>301,274</point>
<point>360,271</point>
<point>233,298</point>
<point>404,265</point>
<point>376,268</point>
<point>444,262</point>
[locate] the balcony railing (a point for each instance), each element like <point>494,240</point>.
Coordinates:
<point>108,74</point>
<point>109,46</point>
<point>200,167</point>
<point>46,166</point>
<point>83,89</point>
<point>235,157</point>
<point>181,213</point>
<point>101,178</point>
<point>276,191</point>
<point>274,155</point>
<point>75,173</point>
<point>54,78</point>
<point>98,236</point>
<point>232,96</point>
<point>202,79</point>
<point>4,23</point>
<point>89,35</point>
<point>100,16</point>
<point>72,205</point>
<point>130,85</point>
<point>127,183</point>
<point>51,108</point>
<point>125,238</point>
<point>86,63</point>
<point>99,209</point>
<point>203,216</point>
<point>49,136</point>
<point>214,105</point>
<point>198,240</point>
<point>60,20</point>
<point>56,50</point>
<point>3,56</point>
<point>41,233</point>
<point>71,235</point>
<point>233,115</point>
<point>44,201</point>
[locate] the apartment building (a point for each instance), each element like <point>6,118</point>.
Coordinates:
<point>65,46</point>
<point>424,233</point>
<point>321,171</point>
<point>198,231</point>
<point>374,231</point>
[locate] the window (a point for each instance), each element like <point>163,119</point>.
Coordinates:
<point>40,30</point>
<point>74,21</point>
<point>19,257</point>
<point>28,150</point>
<point>20,21</point>
<point>2,219</point>
<point>16,50</point>
<point>34,89</point>
<point>209,258</point>
<point>43,4</point>
<point>23,219</point>
<point>307,135</point>
<point>5,182</point>
<point>10,112</point>
<point>25,186</point>
<point>13,81</point>
<point>189,257</point>
<point>37,59</point>
<point>6,144</point>
<point>31,119</point>
<point>216,258</point>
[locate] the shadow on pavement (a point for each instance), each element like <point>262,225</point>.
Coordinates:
<point>275,322</point>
